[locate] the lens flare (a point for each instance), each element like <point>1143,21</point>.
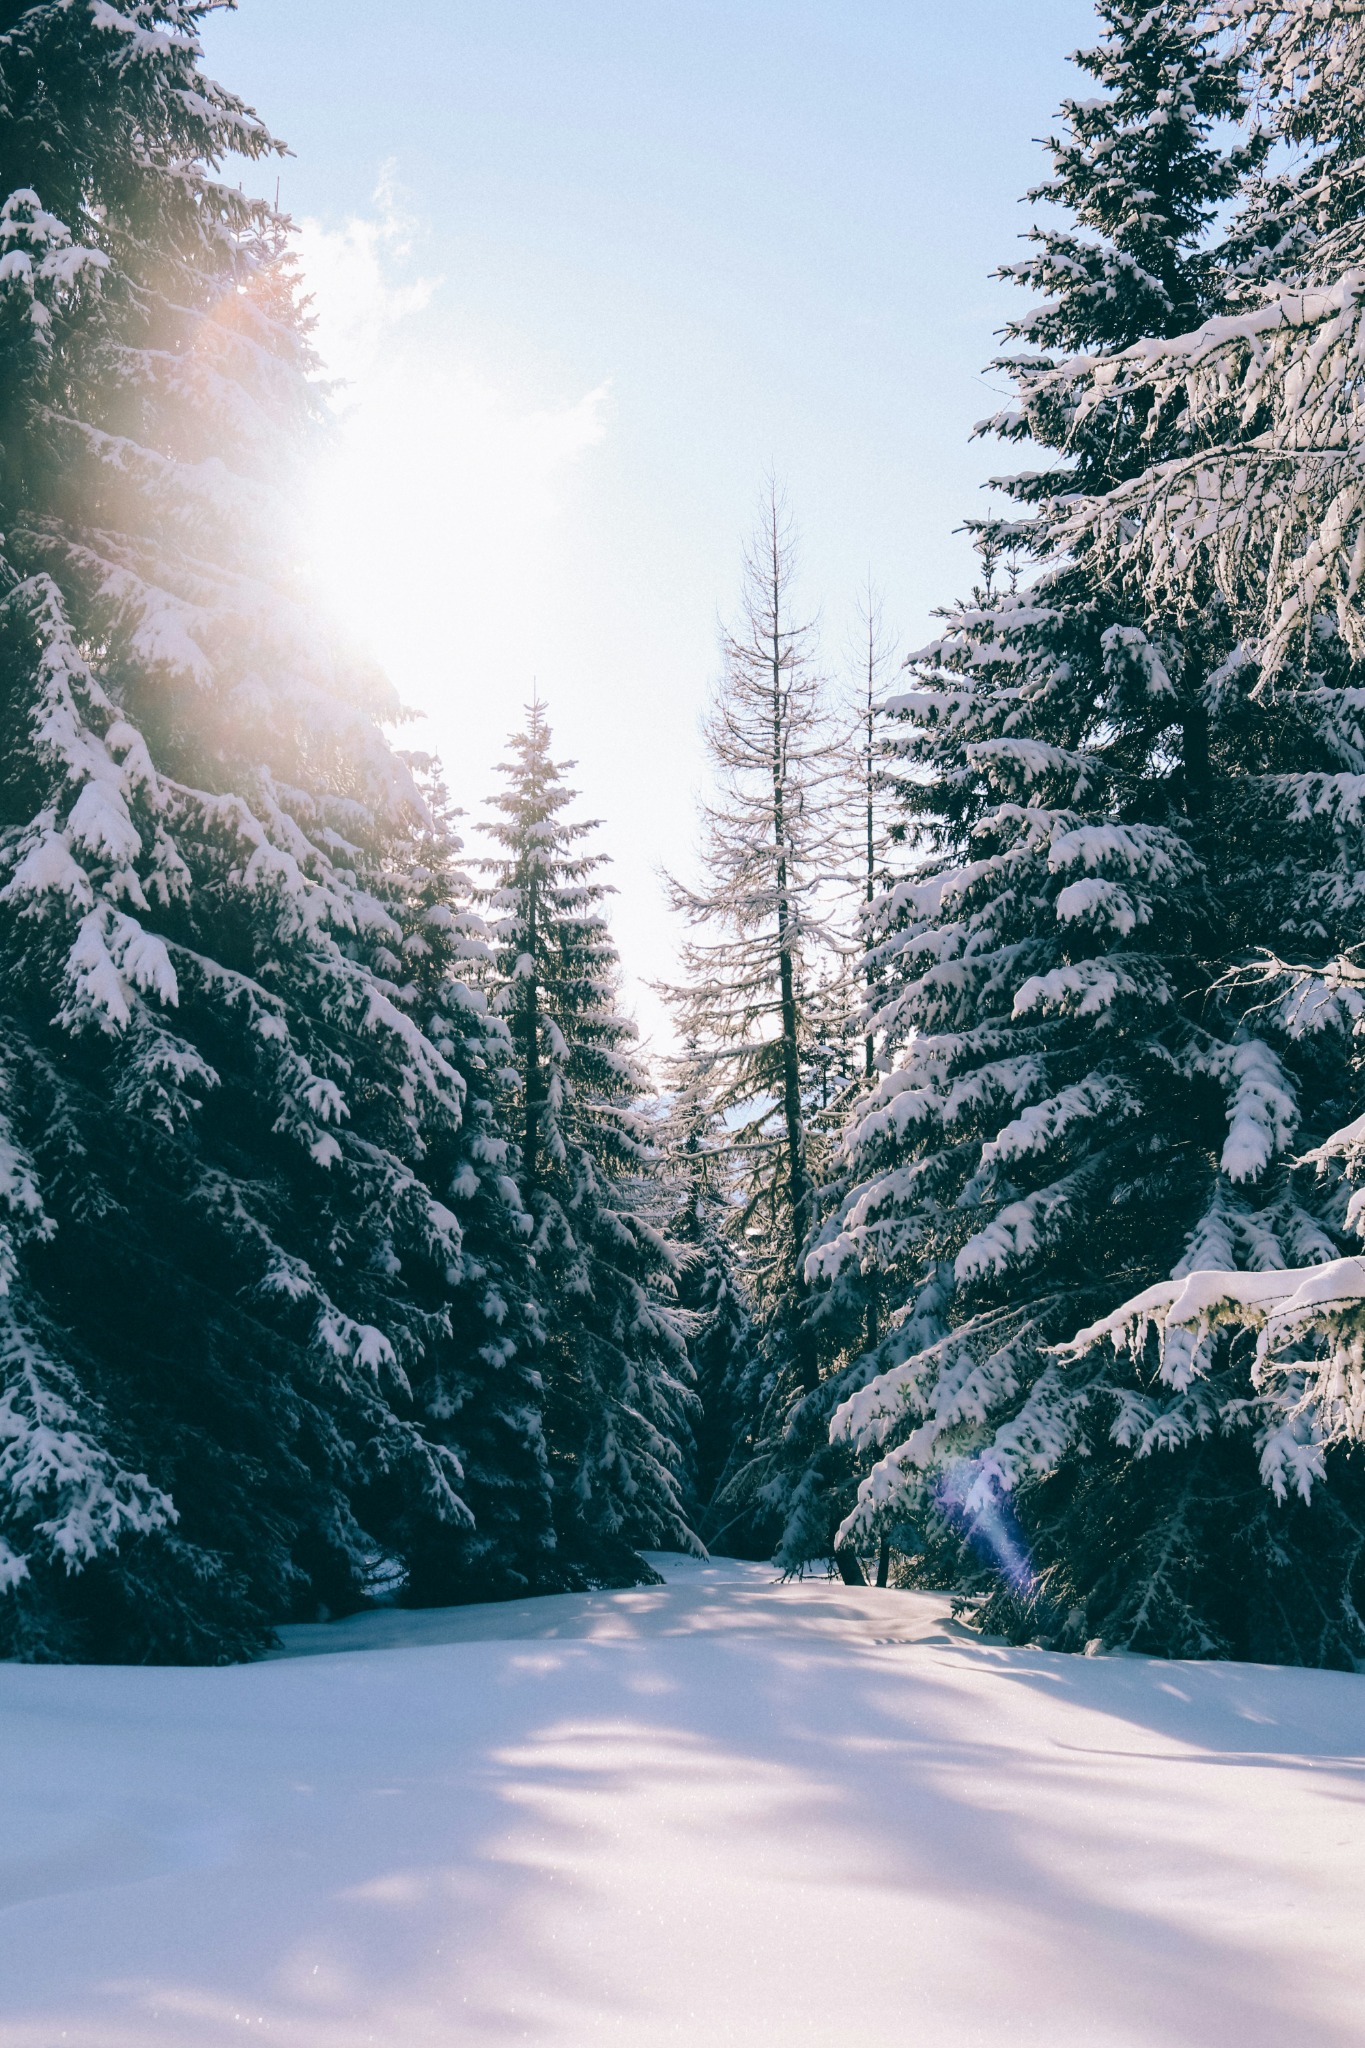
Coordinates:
<point>974,1499</point>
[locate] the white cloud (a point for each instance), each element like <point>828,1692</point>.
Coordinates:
<point>358,300</point>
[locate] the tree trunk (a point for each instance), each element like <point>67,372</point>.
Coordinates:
<point>797,1185</point>
<point>850,1568</point>
<point>871,875</point>
<point>872,1318</point>
<point>884,1561</point>
<point>791,1109</point>
<point>1195,753</point>
<point>532,1015</point>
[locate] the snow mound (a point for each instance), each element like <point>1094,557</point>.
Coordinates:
<point>723,1810</point>
<point>722,1596</point>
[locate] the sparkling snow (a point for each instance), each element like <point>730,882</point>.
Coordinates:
<point>720,1811</point>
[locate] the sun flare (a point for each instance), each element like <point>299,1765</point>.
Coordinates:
<point>432,524</point>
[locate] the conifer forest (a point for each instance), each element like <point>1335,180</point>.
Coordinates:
<point>987,1226</point>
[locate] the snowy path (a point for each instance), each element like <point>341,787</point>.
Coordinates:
<point>720,1812</point>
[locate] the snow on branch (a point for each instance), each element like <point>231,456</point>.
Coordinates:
<point>62,1493</point>
<point>1266,500</point>
<point>1309,1371</point>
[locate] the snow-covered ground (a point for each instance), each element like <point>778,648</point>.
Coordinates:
<point>720,1811</point>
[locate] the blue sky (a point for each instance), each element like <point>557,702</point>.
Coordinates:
<point>591,267</point>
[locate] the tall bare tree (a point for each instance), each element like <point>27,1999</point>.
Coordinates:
<point>761,913</point>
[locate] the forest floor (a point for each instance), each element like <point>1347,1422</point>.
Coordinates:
<point>721,1811</point>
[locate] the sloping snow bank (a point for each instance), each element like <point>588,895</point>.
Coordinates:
<point>716,1812</point>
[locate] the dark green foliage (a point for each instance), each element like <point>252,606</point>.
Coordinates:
<point>1090,1082</point>
<point>263,1264</point>
<point>619,1398</point>
<point>1185,1556</point>
<point>723,1338</point>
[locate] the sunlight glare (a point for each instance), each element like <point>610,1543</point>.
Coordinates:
<point>434,524</point>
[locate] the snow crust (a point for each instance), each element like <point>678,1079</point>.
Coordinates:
<point>722,1810</point>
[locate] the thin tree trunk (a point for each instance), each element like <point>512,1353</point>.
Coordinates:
<point>791,1108</point>
<point>850,1568</point>
<point>884,1561</point>
<point>791,1062</point>
<point>798,1188</point>
<point>532,1015</point>
<point>1195,751</point>
<point>870,879</point>
<point>872,1320</point>
<point>872,1302</point>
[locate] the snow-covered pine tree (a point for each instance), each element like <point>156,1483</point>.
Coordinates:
<point>1260,496</point>
<point>848,1318</point>
<point>1082,1099</point>
<point>723,1340</point>
<point>618,1400</point>
<point>233,1160</point>
<point>480,1391</point>
<point>1265,505</point>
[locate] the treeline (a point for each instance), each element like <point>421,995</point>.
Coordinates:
<point>991,1229</point>
<point>326,1269</point>
<point>1075,1329</point>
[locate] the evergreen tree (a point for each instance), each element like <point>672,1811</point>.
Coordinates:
<point>480,1391</point>
<point>1265,506</point>
<point>1258,498</point>
<point>235,1160</point>
<point>723,1341</point>
<point>619,1399</point>
<point>1083,1097</point>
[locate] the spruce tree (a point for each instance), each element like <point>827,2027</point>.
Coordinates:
<point>236,1158</point>
<point>619,1398</point>
<point>1082,1099</point>
<point>1264,505</point>
<point>723,1338</point>
<point>1258,498</point>
<point>479,1391</point>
